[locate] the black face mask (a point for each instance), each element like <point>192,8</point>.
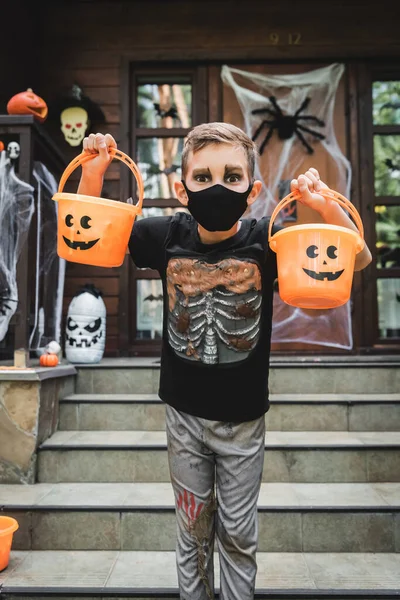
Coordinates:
<point>217,208</point>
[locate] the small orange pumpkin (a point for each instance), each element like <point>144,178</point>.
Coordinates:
<point>1,146</point>
<point>48,360</point>
<point>28,103</point>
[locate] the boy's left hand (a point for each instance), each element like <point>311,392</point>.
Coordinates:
<point>309,186</point>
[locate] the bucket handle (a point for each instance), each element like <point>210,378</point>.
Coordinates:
<point>328,194</point>
<point>119,155</point>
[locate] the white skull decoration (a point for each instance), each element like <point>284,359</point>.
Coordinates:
<point>13,150</point>
<point>74,122</point>
<point>86,327</point>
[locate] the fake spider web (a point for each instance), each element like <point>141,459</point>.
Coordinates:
<point>16,209</point>
<point>280,162</point>
<point>50,269</point>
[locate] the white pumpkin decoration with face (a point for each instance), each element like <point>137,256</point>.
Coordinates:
<point>85,334</point>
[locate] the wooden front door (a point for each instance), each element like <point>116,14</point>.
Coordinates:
<point>165,102</point>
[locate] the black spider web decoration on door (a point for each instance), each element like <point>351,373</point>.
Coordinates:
<point>287,125</point>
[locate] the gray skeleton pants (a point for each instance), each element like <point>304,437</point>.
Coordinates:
<point>226,457</point>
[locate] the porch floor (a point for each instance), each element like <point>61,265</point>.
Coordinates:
<point>113,572</point>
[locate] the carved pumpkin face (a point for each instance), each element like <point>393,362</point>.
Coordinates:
<point>326,263</point>
<point>28,103</point>
<point>80,232</point>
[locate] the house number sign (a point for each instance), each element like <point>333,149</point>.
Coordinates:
<point>291,39</point>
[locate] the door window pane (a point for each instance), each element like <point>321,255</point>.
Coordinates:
<point>149,309</point>
<point>389,307</point>
<point>387,165</point>
<point>163,104</point>
<point>159,160</point>
<point>386,102</point>
<point>388,236</point>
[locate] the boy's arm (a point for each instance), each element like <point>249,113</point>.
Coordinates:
<point>90,185</point>
<point>309,186</point>
<point>91,182</point>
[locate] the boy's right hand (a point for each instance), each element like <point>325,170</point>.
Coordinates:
<point>97,144</point>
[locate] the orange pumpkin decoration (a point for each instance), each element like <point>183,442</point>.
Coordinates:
<point>28,103</point>
<point>1,146</point>
<point>48,360</point>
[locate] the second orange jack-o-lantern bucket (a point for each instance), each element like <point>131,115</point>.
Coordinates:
<point>95,231</point>
<point>316,260</point>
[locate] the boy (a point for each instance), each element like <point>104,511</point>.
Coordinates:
<point>217,273</point>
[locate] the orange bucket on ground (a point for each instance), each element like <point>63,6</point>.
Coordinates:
<point>95,231</point>
<point>316,260</point>
<point>7,527</point>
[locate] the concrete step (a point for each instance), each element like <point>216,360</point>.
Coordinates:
<point>292,517</point>
<point>152,575</point>
<point>300,456</point>
<point>288,412</point>
<point>288,375</point>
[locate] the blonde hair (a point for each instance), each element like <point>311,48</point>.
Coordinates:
<point>218,133</point>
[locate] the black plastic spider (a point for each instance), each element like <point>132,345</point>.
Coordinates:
<point>154,170</point>
<point>153,298</point>
<point>395,169</point>
<point>171,112</point>
<point>287,125</point>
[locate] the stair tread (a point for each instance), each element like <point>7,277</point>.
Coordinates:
<point>274,398</point>
<point>157,439</point>
<point>107,571</point>
<point>374,361</point>
<point>111,398</point>
<point>150,495</point>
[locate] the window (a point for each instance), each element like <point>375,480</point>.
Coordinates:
<point>166,103</point>
<point>149,302</point>
<point>386,167</point>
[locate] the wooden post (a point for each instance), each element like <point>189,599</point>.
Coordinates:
<point>21,358</point>
<point>21,335</point>
<point>35,144</point>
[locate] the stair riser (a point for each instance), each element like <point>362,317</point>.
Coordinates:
<point>279,531</point>
<point>259,595</point>
<point>114,416</point>
<point>287,465</point>
<point>101,597</point>
<point>283,380</point>
<point>35,596</point>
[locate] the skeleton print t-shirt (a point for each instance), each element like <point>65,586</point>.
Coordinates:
<point>217,315</point>
<point>214,309</point>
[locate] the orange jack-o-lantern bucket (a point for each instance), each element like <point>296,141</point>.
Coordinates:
<point>91,230</point>
<point>8,525</point>
<point>316,260</point>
